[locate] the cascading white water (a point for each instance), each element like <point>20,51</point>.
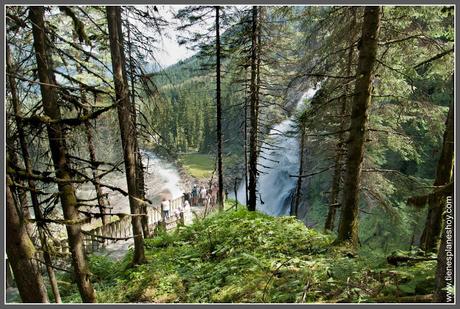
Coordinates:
<point>279,159</point>
<point>274,184</point>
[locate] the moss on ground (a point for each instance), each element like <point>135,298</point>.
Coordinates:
<point>248,257</point>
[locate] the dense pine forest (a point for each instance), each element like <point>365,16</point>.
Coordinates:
<point>298,154</point>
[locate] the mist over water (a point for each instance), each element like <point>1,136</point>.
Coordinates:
<point>279,158</point>
<point>162,178</point>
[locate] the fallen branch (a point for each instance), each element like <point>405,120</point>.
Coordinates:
<point>272,275</point>
<point>405,299</point>
<point>397,259</point>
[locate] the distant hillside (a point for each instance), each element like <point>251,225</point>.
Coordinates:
<point>186,104</point>
<point>178,72</point>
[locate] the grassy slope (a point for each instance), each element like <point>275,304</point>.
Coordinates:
<point>197,164</point>
<point>242,256</point>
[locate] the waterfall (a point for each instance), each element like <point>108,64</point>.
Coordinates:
<point>275,165</point>
<point>278,159</point>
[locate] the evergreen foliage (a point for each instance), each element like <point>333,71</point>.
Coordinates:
<point>85,91</point>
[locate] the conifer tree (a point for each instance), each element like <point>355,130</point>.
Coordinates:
<point>348,225</point>
<point>59,154</point>
<point>127,128</point>
<point>20,250</point>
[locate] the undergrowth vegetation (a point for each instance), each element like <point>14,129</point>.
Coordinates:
<point>239,256</point>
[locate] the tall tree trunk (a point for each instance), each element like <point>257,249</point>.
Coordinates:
<point>139,165</point>
<point>348,226</point>
<point>336,179</point>
<point>335,190</point>
<point>141,187</point>
<point>298,189</point>
<point>30,182</point>
<point>259,59</point>
<point>10,140</point>
<point>21,192</point>
<point>59,153</point>
<point>92,156</point>
<point>20,252</point>
<point>220,177</point>
<point>127,128</point>
<point>253,87</point>
<point>91,148</point>
<point>246,174</point>
<point>436,203</point>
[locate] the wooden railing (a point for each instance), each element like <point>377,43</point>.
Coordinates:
<point>121,228</point>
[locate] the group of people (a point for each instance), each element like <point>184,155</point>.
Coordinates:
<point>183,209</point>
<point>200,196</point>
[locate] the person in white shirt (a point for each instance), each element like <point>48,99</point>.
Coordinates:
<point>165,207</point>
<point>188,219</point>
<point>203,194</point>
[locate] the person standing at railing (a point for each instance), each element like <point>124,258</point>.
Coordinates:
<point>194,195</point>
<point>187,213</point>
<point>208,200</point>
<point>214,190</point>
<point>165,207</point>
<point>203,195</point>
<point>178,211</point>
